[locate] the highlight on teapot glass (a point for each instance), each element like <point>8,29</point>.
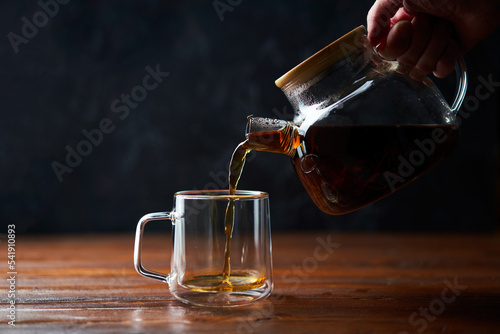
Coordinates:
<point>363,128</point>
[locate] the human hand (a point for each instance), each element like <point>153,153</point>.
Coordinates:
<point>430,35</point>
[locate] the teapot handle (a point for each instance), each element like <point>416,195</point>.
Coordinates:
<point>461,85</point>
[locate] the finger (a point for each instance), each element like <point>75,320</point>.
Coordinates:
<point>398,40</point>
<point>378,20</point>
<point>421,35</point>
<point>436,46</point>
<point>402,15</point>
<point>446,63</point>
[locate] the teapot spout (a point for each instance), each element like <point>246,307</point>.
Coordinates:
<point>261,124</point>
<point>272,135</point>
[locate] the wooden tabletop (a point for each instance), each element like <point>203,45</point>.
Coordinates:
<point>325,282</point>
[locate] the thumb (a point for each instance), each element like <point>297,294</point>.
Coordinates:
<point>398,40</point>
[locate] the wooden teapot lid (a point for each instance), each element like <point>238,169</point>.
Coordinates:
<point>322,59</point>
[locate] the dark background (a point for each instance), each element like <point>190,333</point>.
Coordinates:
<point>64,80</point>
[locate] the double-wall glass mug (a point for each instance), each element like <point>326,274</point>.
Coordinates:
<point>214,263</point>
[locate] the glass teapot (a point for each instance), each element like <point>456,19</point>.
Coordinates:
<point>363,127</point>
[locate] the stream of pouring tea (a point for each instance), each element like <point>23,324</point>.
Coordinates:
<point>270,141</point>
<point>235,169</point>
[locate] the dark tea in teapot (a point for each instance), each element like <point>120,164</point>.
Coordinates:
<point>344,168</point>
<point>348,167</point>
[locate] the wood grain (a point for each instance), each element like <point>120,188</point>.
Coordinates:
<point>360,283</point>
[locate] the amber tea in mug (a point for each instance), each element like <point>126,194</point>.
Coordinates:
<point>209,266</point>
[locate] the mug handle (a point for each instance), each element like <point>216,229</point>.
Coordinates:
<point>138,245</point>
<point>461,70</point>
